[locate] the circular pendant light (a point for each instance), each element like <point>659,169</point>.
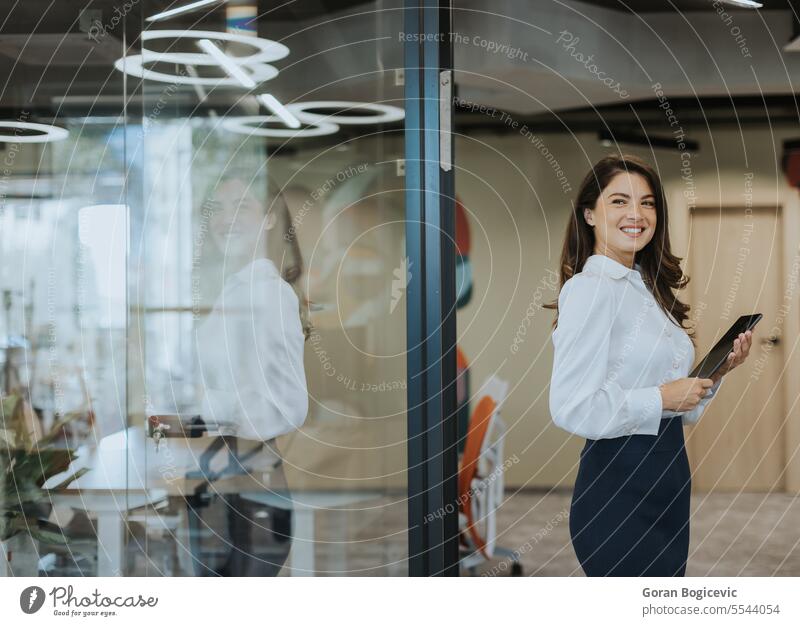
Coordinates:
<point>266,50</point>
<point>256,63</point>
<point>246,126</point>
<point>134,66</point>
<point>45,132</point>
<point>379,113</point>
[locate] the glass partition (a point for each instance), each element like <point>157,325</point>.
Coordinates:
<point>63,324</point>
<point>268,376</point>
<point>203,289</point>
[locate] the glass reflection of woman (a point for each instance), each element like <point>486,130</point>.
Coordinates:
<point>250,368</point>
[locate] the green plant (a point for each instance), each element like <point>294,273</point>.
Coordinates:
<point>27,460</point>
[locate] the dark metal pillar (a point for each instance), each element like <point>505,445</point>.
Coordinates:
<point>430,244</point>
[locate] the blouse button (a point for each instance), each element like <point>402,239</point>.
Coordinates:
<point>675,365</point>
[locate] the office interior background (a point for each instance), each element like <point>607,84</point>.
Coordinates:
<point>123,133</point>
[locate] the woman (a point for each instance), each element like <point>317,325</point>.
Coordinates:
<point>622,356</point>
<point>250,367</point>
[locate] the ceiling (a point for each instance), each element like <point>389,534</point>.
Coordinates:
<point>657,6</point>
<point>737,111</point>
<point>49,63</point>
<point>345,49</point>
<point>291,10</point>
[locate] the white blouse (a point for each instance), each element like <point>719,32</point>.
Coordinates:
<point>250,353</point>
<point>613,347</point>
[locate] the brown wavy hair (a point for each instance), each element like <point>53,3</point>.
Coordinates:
<point>660,269</point>
<point>283,247</point>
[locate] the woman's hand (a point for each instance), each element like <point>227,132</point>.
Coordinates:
<point>684,394</point>
<point>741,348</point>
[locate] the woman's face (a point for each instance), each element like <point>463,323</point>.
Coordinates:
<point>624,217</point>
<point>237,221</point>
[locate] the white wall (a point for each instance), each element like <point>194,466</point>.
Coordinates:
<point>518,213</point>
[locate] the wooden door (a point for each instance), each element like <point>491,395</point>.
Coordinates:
<point>735,268</point>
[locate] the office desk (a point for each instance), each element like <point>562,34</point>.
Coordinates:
<point>108,507</point>
<point>127,473</point>
<point>306,504</point>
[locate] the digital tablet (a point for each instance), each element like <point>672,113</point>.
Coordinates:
<point>719,353</point>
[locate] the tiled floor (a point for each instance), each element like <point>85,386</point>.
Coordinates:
<point>751,534</point>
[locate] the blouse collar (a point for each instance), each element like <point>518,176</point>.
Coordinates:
<point>607,266</point>
<point>259,269</point>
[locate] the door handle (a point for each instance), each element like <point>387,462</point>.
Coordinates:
<point>773,340</point>
<point>446,120</point>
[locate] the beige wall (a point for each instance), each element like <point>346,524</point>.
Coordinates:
<point>518,211</point>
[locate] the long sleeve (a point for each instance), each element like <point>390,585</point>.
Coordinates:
<point>693,416</point>
<point>585,398</point>
<point>255,379</point>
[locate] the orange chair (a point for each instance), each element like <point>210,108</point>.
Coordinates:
<point>480,481</point>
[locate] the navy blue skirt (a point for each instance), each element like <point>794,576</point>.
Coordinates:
<point>630,507</point>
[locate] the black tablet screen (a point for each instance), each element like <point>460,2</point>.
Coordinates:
<point>716,357</point>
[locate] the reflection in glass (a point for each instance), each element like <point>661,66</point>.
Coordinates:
<point>204,316</point>
<point>253,385</point>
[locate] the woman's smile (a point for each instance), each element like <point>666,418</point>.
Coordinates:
<point>633,231</point>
